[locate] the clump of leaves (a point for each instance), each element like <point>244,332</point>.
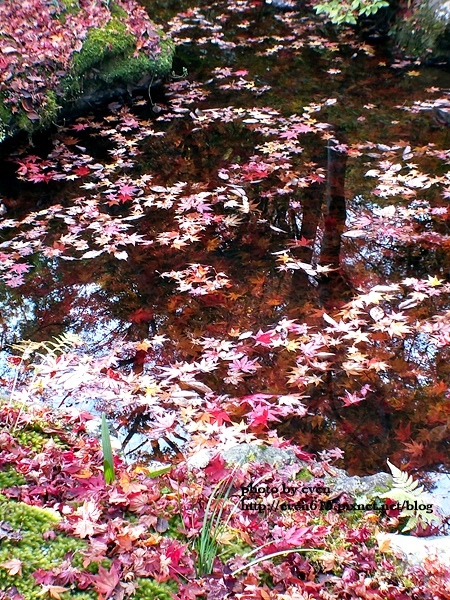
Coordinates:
<point>214,526</point>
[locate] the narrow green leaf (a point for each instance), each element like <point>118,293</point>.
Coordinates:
<point>108,461</point>
<point>158,472</point>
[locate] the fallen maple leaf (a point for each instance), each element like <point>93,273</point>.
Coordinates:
<point>54,591</point>
<point>106,582</point>
<point>13,566</point>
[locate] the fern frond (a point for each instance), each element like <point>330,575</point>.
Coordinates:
<point>404,481</point>
<point>408,494</point>
<point>58,345</point>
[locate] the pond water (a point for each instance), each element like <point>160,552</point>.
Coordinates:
<point>265,241</point>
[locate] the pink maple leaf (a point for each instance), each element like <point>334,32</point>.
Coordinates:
<point>127,191</point>
<point>20,268</point>
<point>14,281</point>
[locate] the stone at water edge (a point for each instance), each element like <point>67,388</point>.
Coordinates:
<point>413,550</point>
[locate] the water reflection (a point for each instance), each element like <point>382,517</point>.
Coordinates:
<point>210,237</point>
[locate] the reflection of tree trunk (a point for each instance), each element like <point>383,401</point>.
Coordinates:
<point>333,286</point>
<point>312,198</point>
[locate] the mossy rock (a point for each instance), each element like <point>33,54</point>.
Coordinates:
<point>120,51</point>
<point>23,538</point>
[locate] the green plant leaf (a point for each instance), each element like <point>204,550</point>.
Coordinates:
<point>108,461</point>
<point>158,472</point>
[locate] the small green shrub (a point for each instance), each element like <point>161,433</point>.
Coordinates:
<point>348,12</point>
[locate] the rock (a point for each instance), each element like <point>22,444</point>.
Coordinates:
<point>440,492</point>
<point>244,453</point>
<point>359,486</point>
<point>86,53</point>
<point>413,550</point>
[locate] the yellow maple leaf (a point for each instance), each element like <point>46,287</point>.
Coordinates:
<point>383,541</point>
<point>225,537</point>
<point>292,345</point>
<point>434,281</point>
<point>398,329</point>
<point>144,345</point>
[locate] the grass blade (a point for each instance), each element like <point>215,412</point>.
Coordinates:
<point>108,461</point>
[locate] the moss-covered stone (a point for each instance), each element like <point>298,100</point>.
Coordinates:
<point>103,44</point>
<point>34,549</point>
<point>49,109</point>
<point>109,56</point>
<point>111,59</point>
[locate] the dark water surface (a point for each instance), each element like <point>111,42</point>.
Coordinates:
<point>271,230</point>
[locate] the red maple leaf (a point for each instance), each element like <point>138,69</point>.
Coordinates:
<point>265,338</point>
<point>106,582</point>
<point>82,171</point>
<point>215,469</point>
<point>219,415</point>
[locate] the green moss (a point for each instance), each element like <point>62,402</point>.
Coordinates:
<point>110,51</point>
<point>113,40</point>
<point>117,11</point>
<point>127,69</point>
<point>49,110</point>
<point>66,7</point>
<point>10,477</point>
<point>304,475</point>
<point>33,550</point>
<point>70,6</point>
<point>163,62</point>
<point>236,548</point>
<point>175,529</point>
<point>5,113</point>
<point>23,122</point>
<point>5,118</point>
<point>149,588</point>
<point>34,437</point>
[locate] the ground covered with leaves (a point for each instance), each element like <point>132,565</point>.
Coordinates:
<point>254,530</point>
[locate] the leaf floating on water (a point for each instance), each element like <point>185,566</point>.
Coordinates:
<point>376,313</point>
<point>354,233</point>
